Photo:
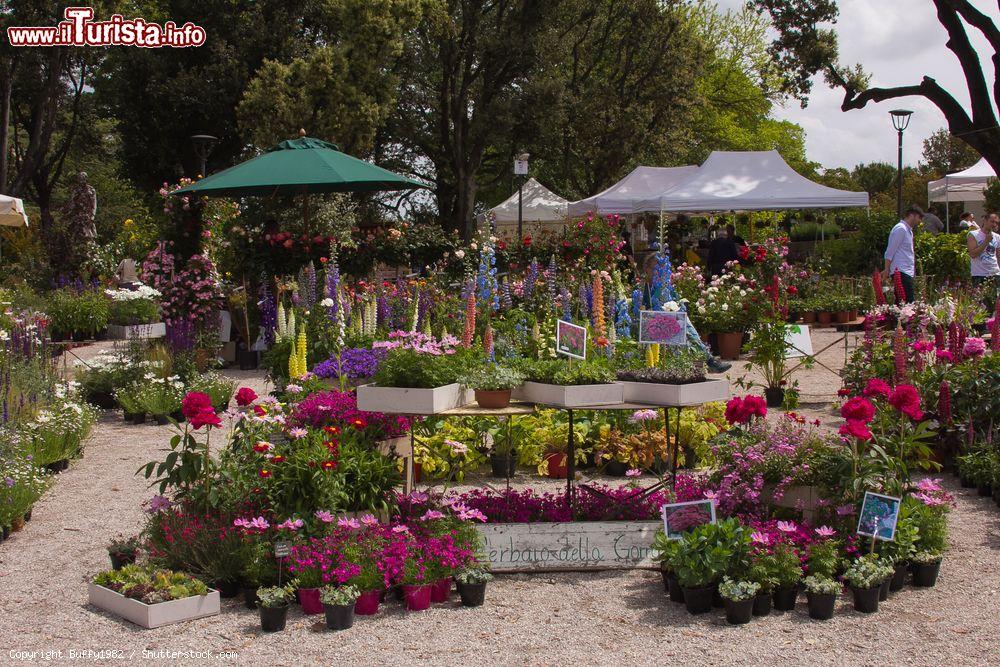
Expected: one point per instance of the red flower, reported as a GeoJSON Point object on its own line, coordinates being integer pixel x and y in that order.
{"type": "Point", "coordinates": [278, 459]}
{"type": "Point", "coordinates": [359, 424]}
{"type": "Point", "coordinates": [853, 428]}
{"type": "Point", "coordinates": [527, 241]}
{"type": "Point", "coordinates": [328, 465]}
{"type": "Point", "coordinates": [205, 418]}
{"type": "Point", "coordinates": [264, 473]}
{"type": "Point", "coordinates": [858, 409]}
{"type": "Point", "coordinates": [332, 430]}
{"type": "Point", "coordinates": [906, 399]}
{"type": "Point", "coordinates": [876, 387]}
{"type": "Point", "coordinates": [245, 396]}
{"type": "Point", "coordinates": [259, 411]}
{"type": "Point", "coordinates": [262, 447]}
{"type": "Point", "coordinates": [843, 392]}
{"type": "Point", "coordinates": [793, 290]}
{"type": "Point", "coordinates": [195, 402]}
{"type": "Point", "coordinates": [742, 410]}
{"type": "Point", "coordinates": [744, 252]}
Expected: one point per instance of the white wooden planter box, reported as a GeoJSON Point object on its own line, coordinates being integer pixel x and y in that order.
{"type": "Point", "coordinates": [155, 615]}
{"type": "Point", "coordinates": [120, 332]}
{"type": "Point", "coordinates": [577, 396]}
{"type": "Point", "coordinates": [695, 393]}
{"type": "Point", "coordinates": [409, 401]}
{"type": "Point", "coordinates": [579, 545]}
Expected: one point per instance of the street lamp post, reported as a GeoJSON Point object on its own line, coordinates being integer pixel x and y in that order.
{"type": "Point", "coordinates": [203, 145]}
{"type": "Point", "coordinates": [900, 120]}
{"type": "Point", "coordinates": [520, 169]}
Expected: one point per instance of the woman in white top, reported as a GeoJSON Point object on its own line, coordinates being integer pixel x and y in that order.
{"type": "Point", "coordinates": [982, 244]}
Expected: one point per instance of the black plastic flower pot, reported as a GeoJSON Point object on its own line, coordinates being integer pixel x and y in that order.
{"type": "Point", "coordinates": [162, 420]}
{"type": "Point", "coordinates": [503, 465]}
{"type": "Point", "coordinates": [472, 595]}
{"type": "Point", "coordinates": [821, 605]}
{"type": "Point", "coordinates": [739, 612]}
{"type": "Point", "coordinates": [272, 619]}
{"type": "Point", "coordinates": [966, 483]}
{"type": "Point", "coordinates": [925, 574]}
{"type": "Point", "coordinates": [665, 575]}
{"type": "Point", "coordinates": [866, 599]}
{"type": "Point", "coordinates": [775, 396]}
{"type": "Point", "coordinates": [615, 469]}
{"type": "Point", "coordinates": [883, 590]}
{"type": "Point", "coordinates": [898, 579]}
{"type": "Point", "coordinates": [248, 359]}
{"type": "Point", "coordinates": [250, 597]}
{"type": "Point", "coordinates": [762, 604]}
{"type": "Point", "coordinates": [784, 598]}
{"type": "Point", "coordinates": [227, 589]}
{"type": "Point", "coordinates": [138, 418]}
{"type": "Point", "coordinates": [118, 561]}
{"type": "Point", "coordinates": [984, 490]}
{"type": "Point", "coordinates": [698, 600]}
{"type": "Point", "coordinates": [27, 516]}
{"type": "Point", "coordinates": [339, 616]}
{"type": "Point", "coordinates": [674, 589]}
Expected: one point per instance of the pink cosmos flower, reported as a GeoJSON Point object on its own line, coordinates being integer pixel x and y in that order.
{"type": "Point", "coordinates": [291, 524]}
{"type": "Point", "coordinates": [157, 503]}
{"type": "Point", "coordinates": [928, 484]}
{"type": "Point", "coordinates": [825, 531]}
{"type": "Point", "coordinates": [351, 524]}
{"type": "Point", "coordinates": [324, 516]}
{"type": "Point", "coordinates": [430, 515]}
{"type": "Point", "coordinates": [759, 537]}
{"type": "Point", "coordinates": [419, 497]}
{"type": "Point", "coordinates": [293, 389]}
{"type": "Point", "coordinates": [643, 416]}
{"type": "Point", "coordinates": [400, 529]}
{"type": "Point", "coordinates": [369, 520]}
{"type": "Point", "coordinates": [259, 523]}
{"type": "Point", "coordinates": [787, 526]}
{"type": "Point", "coordinates": [929, 500]}
{"type": "Point", "coordinates": [633, 472]}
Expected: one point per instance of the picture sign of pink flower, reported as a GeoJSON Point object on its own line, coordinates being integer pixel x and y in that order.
{"type": "Point", "coordinates": [663, 327]}
{"type": "Point", "coordinates": [571, 339]}
{"type": "Point", "coordinates": [680, 517]}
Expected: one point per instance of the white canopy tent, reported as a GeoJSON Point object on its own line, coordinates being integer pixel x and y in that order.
{"type": "Point", "coordinates": [540, 207]}
{"type": "Point", "coordinates": [12, 213]}
{"type": "Point", "coordinates": [967, 185]}
{"type": "Point", "coordinates": [640, 184]}
{"type": "Point", "coordinates": [748, 181]}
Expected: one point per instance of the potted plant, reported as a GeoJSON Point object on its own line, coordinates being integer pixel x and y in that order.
{"type": "Point", "coordinates": [128, 397]}
{"type": "Point", "coordinates": [738, 597]}
{"type": "Point", "coordinates": [865, 577]}
{"type": "Point", "coordinates": [926, 566]}
{"type": "Point", "coordinates": [768, 351]}
{"type": "Point", "coordinates": [676, 379]}
{"type": "Point", "coordinates": [134, 313]}
{"type": "Point", "coordinates": [931, 523]}
{"type": "Point", "coordinates": [821, 593]}
{"type": "Point", "coordinates": [416, 591]}
{"type": "Point", "coordinates": [218, 388]}
{"type": "Point", "coordinates": [338, 603]}
{"type": "Point", "coordinates": [471, 583]}
{"type": "Point", "coordinates": [305, 564]}
{"type": "Point", "coordinates": [273, 602]}
{"type": "Point", "coordinates": [492, 384]}
{"type": "Point", "coordinates": [663, 550]}
{"type": "Point", "coordinates": [505, 433]}
{"type": "Point", "coordinates": [571, 384]}
{"type": "Point", "coordinates": [259, 570]}
{"type": "Point", "coordinates": [161, 397]}
{"type": "Point", "coordinates": [418, 380]}
{"type": "Point", "coordinates": [788, 575]}
{"type": "Point", "coordinates": [703, 557]}
{"type": "Point", "coordinates": [152, 597]}
{"type": "Point", "coordinates": [123, 551]}
{"type": "Point", "coordinates": [899, 551]}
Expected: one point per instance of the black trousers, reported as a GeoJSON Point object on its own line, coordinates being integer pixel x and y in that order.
{"type": "Point", "coordinates": [907, 281]}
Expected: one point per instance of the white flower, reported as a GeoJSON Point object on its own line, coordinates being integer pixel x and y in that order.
{"type": "Point", "coordinates": [725, 306]}
{"type": "Point", "coordinates": [327, 302]}
{"type": "Point", "coordinates": [671, 307]}
{"type": "Point", "coordinates": [460, 254]}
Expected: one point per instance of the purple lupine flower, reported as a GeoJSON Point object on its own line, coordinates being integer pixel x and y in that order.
{"type": "Point", "coordinates": [530, 279]}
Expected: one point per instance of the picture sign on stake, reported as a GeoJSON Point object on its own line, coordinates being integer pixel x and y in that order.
{"type": "Point", "coordinates": [571, 339]}
{"type": "Point", "coordinates": [663, 327]}
{"type": "Point", "coordinates": [282, 549]}
{"type": "Point", "coordinates": [681, 517]}
{"type": "Point", "coordinates": [879, 515]}
{"type": "Point", "coordinates": [798, 343]}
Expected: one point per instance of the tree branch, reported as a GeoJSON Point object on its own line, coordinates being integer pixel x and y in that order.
{"type": "Point", "coordinates": [958, 119]}
{"type": "Point", "coordinates": [959, 44]}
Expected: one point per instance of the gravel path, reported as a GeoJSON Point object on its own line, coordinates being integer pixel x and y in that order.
{"type": "Point", "coordinates": [545, 619]}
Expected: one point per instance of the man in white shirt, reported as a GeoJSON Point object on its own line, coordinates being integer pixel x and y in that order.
{"type": "Point", "coordinates": [899, 251]}
{"type": "Point", "coordinates": [982, 244]}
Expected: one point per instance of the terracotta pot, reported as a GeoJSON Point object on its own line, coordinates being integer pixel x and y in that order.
{"type": "Point", "coordinates": [417, 473]}
{"type": "Point", "coordinates": [842, 316]}
{"type": "Point", "coordinates": [493, 399]}
{"type": "Point", "coordinates": [854, 314]}
{"type": "Point", "coordinates": [824, 318]}
{"type": "Point", "coordinates": [556, 465]}
{"type": "Point", "coordinates": [16, 524]}
{"type": "Point", "coordinates": [809, 317]}
{"type": "Point", "coordinates": [729, 345]}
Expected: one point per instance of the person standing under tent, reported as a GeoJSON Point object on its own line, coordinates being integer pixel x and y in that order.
{"type": "Point", "coordinates": [967, 222]}
{"type": "Point", "coordinates": [899, 251]}
{"type": "Point", "coordinates": [982, 244]}
{"type": "Point", "coordinates": [694, 339]}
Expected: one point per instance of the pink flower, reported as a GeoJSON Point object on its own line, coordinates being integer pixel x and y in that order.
{"type": "Point", "coordinates": [291, 524]}
{"type": "Point", "coordinates": [928, 484]}
{"type": "Point", "coordinates": [853, 428]}
{"type": "Point", "coordinates": [324, 516]}
{"type": "Point", "coordinates": [825, 531]}
{"type": "Point", "coordinates": [974, 347]}
{"type": "Point", "coordinates": [633, 472]}
{"type": "Point", "coordinates": [929, 500]}
{"type": "Point", "coordinates": [430, 515]}
{"type": "Point", "coordinates": [369, 520]}
{"type": "Point", "coordinates": [259, 523]}
{"type": "Point", "coordinates": [787, 526]}
{"type": "Point", "coordinates": [759, 537]}
{"type": "Point", "coordinates": [400, 529]}
{"type": "Point", "coordinates": [845, 510]}
{"type": "Point", "coordinates": [293, 389]}
{"type": "Point", "coordinates": [245, 396]}
{"type": "Point", "coordinates": [298, 433]}
{"type": "Point", "coordinates": [157, 503]}
{"type": "Point", "coordinates": [350, 524]}
{"type": "Point", "coordinates": [643, 416]}
{"type": "Point", "coordinates": [858, 408]}
{"type": "Point", "coordinates": [944, 355]}
{"type": "Point", "coordinates": [906, 399]}
{"type": "Point", "coordinates": [876, 387]}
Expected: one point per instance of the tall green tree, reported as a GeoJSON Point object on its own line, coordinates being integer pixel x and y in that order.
{"type": "Point", "coordinates": [944, 154]}
{"type": "Point", "coordinates": [875, 177]}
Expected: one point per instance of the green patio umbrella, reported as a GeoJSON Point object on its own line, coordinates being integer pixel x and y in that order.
{"type": "Point", "coordinates": [300, 166]}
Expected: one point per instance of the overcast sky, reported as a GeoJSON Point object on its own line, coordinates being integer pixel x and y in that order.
{"type": "Point", "coordinates": [897, 42]}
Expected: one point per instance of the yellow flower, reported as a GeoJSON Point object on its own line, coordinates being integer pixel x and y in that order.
{"type": "Point", "coordinates": [128, 222]}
